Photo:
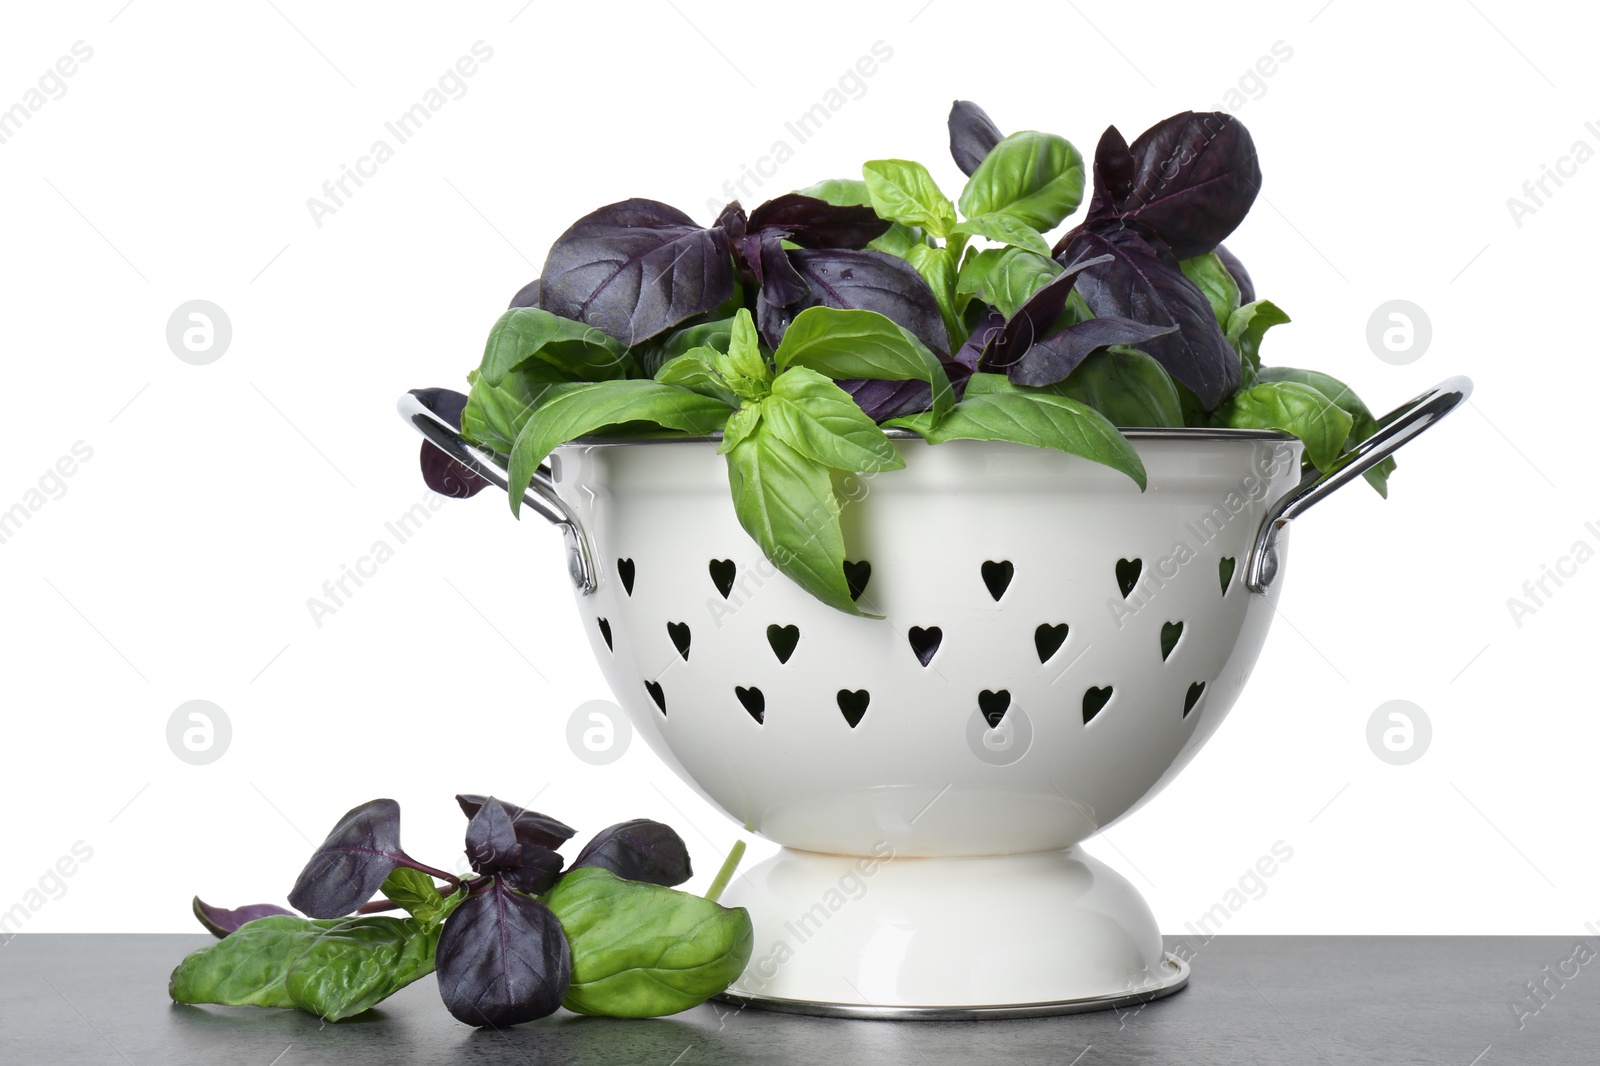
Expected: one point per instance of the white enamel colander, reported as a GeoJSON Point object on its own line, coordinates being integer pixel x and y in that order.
{"type": "Point", "coordinates": [1054, 646]}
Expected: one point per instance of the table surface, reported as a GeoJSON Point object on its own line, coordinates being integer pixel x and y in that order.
{"type": "Point", "coordinates": [85, 999]}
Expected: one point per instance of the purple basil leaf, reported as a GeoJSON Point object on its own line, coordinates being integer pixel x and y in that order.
{"type": "Point", "coordinates": [527, 296]}
{"type": "Point", "coordinates": [635, 269]}
{"type": "Point", "coordinates": [1196, 176]}
{"type": "Point", "coordinates": [989, 326]}
{"type": "Point", "coordinates": [350, 866]}
{"type": "Point", "coordinates": [972, 134]}
{"type": "Point", "coordinates": [1113, 177]}
{"type": "Point", "coordinates": [502, 959]}
{"type": "Point", "coordinates": [888, 399]}
{"type": "Point", "coordinates": [780, 282]}
{"type": "Point", "coordinates": [813, 223]}
{"type": "Point", "coordinates": [491, 839]}
{"type": "Point", "coordinates": [1143, 283]}
{"type": "Point", "coordinates": [732, 221]}
{"type": "Point", "coordinates": [639, 850]}
{"type": "Point", "coordinates": [1241, 276]}
{"type": "Point", "coordinates": [537, 870]}
{"type": "Point", "coordinates": [531, 826]}
{"type": "Point", "coordinates": [1034, 318]}
{"type": "Point", "coordinates": [1048, 361]}
{"type": "Point", "coordinates": [872, 281]}
{"type": "Point", "coordinates": [447, 477]}
{"type": "Point", "coordinates": [446, 403]}
{"type": "Point", "coordinates": [219, 921]}
{"type": "Point", "coordinates": [882, 400]}
{"type": "Point", "coordinates": [958, 373]}
{"type": "Point", "coordinates": [441, 473]}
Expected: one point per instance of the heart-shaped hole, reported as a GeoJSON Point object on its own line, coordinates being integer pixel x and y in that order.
{"type": "Point", "coordinates": [654, 688]}
{"type": "Point", "coordinates": [1128, 571]}
{"type": "Point", "coordinates": [1170, 632]}
{"type": "Point", "coordinates": [1225, 572]}
{"type": "Point", "coordinates": [753, 701]}
{"type": "Point", "coordinates": [679, 632]}
{"type": "Point", "coordinates": [722, 574]}
{"type": "Point", "coordinates": [994, 706]}
{"type": "Point", "coordinates": [625, 572]}
{"type": "Point", "coordinates": [925, 642]}
{"type": "Point", "coordinates": [1047, 639]}
{"type": "Point", "coordinates": [856, 576]}
{"type": "Point", "coordinates": [784, 639]}
{"type": "Point", "coordinates": [997, 576]}
{"type": "Point", "coordinates": [1094, 701]}
{"type": "Point", "coordinates": [853, 705]}
{"type": "Point", "coordinates": [1196, 690]}
{"type": "Point", "coordinates": [605, 631]}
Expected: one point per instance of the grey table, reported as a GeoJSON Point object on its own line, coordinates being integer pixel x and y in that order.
{"type": "Point", "coordinates": [1280, 1000]}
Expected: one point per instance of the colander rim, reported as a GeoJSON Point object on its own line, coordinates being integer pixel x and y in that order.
{"type": "Point", "coordinates": [1191, 434]}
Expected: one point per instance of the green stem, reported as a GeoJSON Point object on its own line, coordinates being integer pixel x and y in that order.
{"type": "Point", "coordinates": [724, 875]}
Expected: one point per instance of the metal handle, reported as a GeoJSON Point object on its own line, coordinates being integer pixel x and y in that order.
{"type": "Point", "coordinates": [1397, 427]}
{"type": "Point", "coordinates": [541, 494]}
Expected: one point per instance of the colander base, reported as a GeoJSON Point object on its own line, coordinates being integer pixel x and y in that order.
{"type": "Point", "coordinates": [1178, 978]}
{"type": "Point", "coordinates": [998, 936]}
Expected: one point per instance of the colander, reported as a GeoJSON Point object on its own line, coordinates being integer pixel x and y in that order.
{"type": "Point", "coordinates": [1054, 646]}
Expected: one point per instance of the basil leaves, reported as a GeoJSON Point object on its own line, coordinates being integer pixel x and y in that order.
{"type": "Point", "coordinates": [798, 328]}
{"type": "Point", "coordinates": [607, 935]}
{"type": "Point", "coordinates": [333, 968]}
{"type": "Point", "coordinates": [639, 951]}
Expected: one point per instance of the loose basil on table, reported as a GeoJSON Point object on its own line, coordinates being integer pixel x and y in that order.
{"type": "Point", "coordinates": [606, 935]}
{"type": "Point", "coordinates": [798, 328]}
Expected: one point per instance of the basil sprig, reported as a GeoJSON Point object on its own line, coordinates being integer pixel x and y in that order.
{"type": "Point", "coordinates": [607, 935]}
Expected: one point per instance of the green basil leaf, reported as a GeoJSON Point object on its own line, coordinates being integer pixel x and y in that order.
{"type": "Point", "coordinates": [1290, 407]}
{"type": "Point", "coordinates": [984, 383]}
{"type": "Point", "coordinates": [740, 425]}
{"type": "Point", "coordinates": [570, 411]}
{"type": "Point", "coordinates": [1006, 230]}
{"type": "Point", "coordinates": [1378, 476]}
{"type": "Point", "coordinates": [641, 951]}
{"type": "Point", "coordinates": [248, 966]}
{"type": "Point", "coordinates": [657, 352]}
{"type": "Point", "coordinates": [581, 352]}
{"type": "Point", "coordinates": [852, 192]}
{"type": "Point", "coordinates": [939, 271]}
{"type": "Point", "coordinates": [332, 967]}
{"type": "Point", "coordinates": [1247, 324]}
{"type": "Point", "coordinates": [822, 422]}
{"type": "Point", "coordinates": [1362, 422]}
{"type": "Point", "coordinates": [1212, 278]}
{"type": "Point", "coordinates": [1035, 178]}
{"type": "Point", "coordinates": [845, 344]}
{"type": "Point", "coordinates": [744, 367]}
{"type": "Point", "coordinates": [903, 191]}
{"type": "Point", "coordinates": [840, 192]}
{"type": "Point", "coordinates": [1036, 418]}
{"type": "Point", "coordinates": [415, 891]}
{"type": "Point", "coordinates": [786, 503]}
{"type": "Point", "coordinates": [899, 239]}
{"type": "Point", "coordinates": [362, 961]}
{"type": "Point", "coordinates": [1014, 276]}
{"type": "Point", "coordinates": [976, 268]}
{"type": "Point", "coordinates": [1127, 386]}
{"type": "Point", "coordinates": [695, 370]}
{"type": "Point", "coordinates": [495, 414]}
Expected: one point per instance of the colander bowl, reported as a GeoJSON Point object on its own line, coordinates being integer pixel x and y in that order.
{"type": "Point", "coordinates": [1053, 646]}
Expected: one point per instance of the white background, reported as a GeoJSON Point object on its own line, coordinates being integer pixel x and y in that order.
{"type": "Point", "coordinates": [179, 561]}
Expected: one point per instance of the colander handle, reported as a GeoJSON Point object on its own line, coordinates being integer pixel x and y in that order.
{"type": "Point", "coordinates": [541, 494]}
{"type": "Point", "coordinates": [1397, 427]}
